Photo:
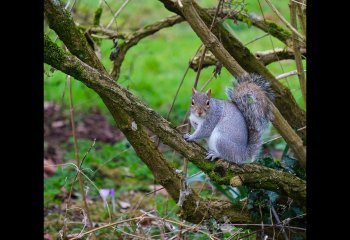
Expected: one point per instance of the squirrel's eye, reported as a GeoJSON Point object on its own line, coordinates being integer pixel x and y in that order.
{"type": "Point", "coordinates": [208, 103]}
{"type": "Point", "coordinates": [192, 103]}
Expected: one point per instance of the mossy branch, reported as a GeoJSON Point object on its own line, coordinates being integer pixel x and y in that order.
{"type": "Point", "coordinates": [138, 138]}
{"type": "Point", "coordinates": [214, 45]}
{"type": "Point", "coordinates": [126, 109]}
{"type": "Point", "coordinates": [62, 23]}
{"type": "Point", "coordinates": [97, 16]}
{"type": "Point", "coordinates": [284, 100]}
{"type": "Point", "coordinates": [266, 57]}
{"type": "Point", "coordinates": [268, 26]}
{"type": "Point", "coordinates": [122, 99]}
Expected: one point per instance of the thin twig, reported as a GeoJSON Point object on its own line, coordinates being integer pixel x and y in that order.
{"type": "Point", "coordinates": [299, 3]}
{"type": "Point", "coordinates": [88, 151]}
{"type": "Point", "coordinates": [302, 19]}
{"type": "Point", "coordinates": [273, 237]}
{"type": "Point", "coordinates": [262, 223]}
{"type": "Point", "coordinates": [76, 151]}
{"type": "Point", "coordinates": [140, 218]}
{"type": "Point", "coordinates": [199, 67]}
{"type": "Point", "coordinates": [287, 74]}
{"type": "Point", "coordinates": [279, 136]}
{"type": "Point", "coordinates": [273, 47]}
{"type": "Point", "coordinates": [110, 9]}
{"type": "Point", "coordinates": [297, 54]}
{"type": "Point", "coordinates": [278, 221]}
{"type": "Point", "coordinates": [256, 39]}
{"type": "Point", "coordinates": [271, 225]}
{"type": "Point", "coordinates": [117, 13]}
{"type": "Point", "coordinates": [289, 135]}
{"type": "Point", "coordinates": [279, 15]}
{"type": "Point", "coordinates": [174, 99]}
{"type": "Point", "coordinates": [75, 179]}
{"type": "Point", "coordinates": [205, 48]}
{"type": "Point", "coordinates": [177, 92]}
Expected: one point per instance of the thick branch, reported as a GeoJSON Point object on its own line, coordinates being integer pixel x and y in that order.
{"type": "Point", "coordinates": [210, 40]}
{"type": "Point", "coordinates": [266, 57]}
{"type": "Point", "coordinates": [141, 142]}
{"type": "Point", "coordinates": [278, 54]}
{"type": "Point", "coordinates": [61, 22]}
{"type": "Point", "coordinates": [214, 45]}
{"type": "Point", "coordinates": [132, 39]}
{"type": "Point", "coordinates": [284, 99]}
{"type": "Point", "coordinates": [268, 26]}
{"type": "Point", "coordinates": [264, 177]}
{"type": "Point", "coordinates": [146, 149]}
{"type": "Point", "coordinates": [290, 136]}
{"type": "Point", "coordinates": [138, 138]}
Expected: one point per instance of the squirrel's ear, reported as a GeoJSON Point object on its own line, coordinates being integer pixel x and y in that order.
{"type": "Point", "coordinates": [208, 92]}
{"type": "Point", "coordinates": [194, 90]}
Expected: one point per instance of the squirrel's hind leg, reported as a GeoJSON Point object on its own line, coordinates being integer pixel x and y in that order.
{"type": "Point", "coordinates": [212, 155]}
{"type": "Point", "coordinates": [231, 151]}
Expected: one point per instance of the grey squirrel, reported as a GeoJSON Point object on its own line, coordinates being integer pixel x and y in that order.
{"type": "Point", "coordinates": [233, 128]}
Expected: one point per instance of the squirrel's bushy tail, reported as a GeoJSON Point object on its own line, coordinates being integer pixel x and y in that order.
{"type": "Point", "coordinates": [251, 97]}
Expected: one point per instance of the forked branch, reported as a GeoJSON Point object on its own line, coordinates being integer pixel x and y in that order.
{"type": "Point", "coordinates": [143, 115]}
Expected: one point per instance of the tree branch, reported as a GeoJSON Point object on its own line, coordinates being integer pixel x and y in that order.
{"type": "Point", "coordinates": [210, 40]}
{"type": "Point", "coordinates": [107, 32]}
{"type": "Point", "coordinates": [214, 45]}
{"type": "Point", "coordinates": [122, 99]}
{"type": "Point", "coordinates": [126, 109]}
{"type": "Point", "coordinates": [268, 26]}
{"type": "Point", "coordinates": [138, 138]}
{"type": "Point", "coordinates": [297, 54]}
{"type": "Point", "coordinates": [266, 57]}
{"type": "Point", "coordinates": [208, 60]}
{"type": "Point", "coordinates": [284, 99]}
{"type": "Point", "coordinates": [60, 21]}
{"type": "Point", "coordinates": [278, 54]}
{"type": "Point", "coordinates": [274, 9]}
{"type": "Point", "coordinates": [302, 19]}
{"type": "Point", "coordinates": [133, 38]}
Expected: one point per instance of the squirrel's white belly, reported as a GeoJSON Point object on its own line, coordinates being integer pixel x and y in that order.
{"type": "Point", "coordinates": [195, 121]}
{"type": "Point", "coordinates": [213, 140]}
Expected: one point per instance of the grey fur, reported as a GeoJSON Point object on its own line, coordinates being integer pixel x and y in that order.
{"type": "Point", "coordinates": [233, 128]}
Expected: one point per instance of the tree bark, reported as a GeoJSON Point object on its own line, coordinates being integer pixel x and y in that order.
{"type": "Point", "coordinates": [126, 109]}
{"type": "Point", "coordinates": [266, 178]}
{"type": "Point", "coordinates": [284, 100]}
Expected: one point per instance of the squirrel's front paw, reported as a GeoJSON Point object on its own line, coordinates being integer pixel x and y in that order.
{"type": "Point", "coordinates": [187, 137]}
{"type": "Point", "coordinates": [211, 155]}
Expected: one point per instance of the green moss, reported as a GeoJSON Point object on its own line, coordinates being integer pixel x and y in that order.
{"type": "Point", "coordinates": [53, 54]}
{"type": "Point", "coordinates": [97, 16]}
{"type": "Point", "coordinates": [279, 32]}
